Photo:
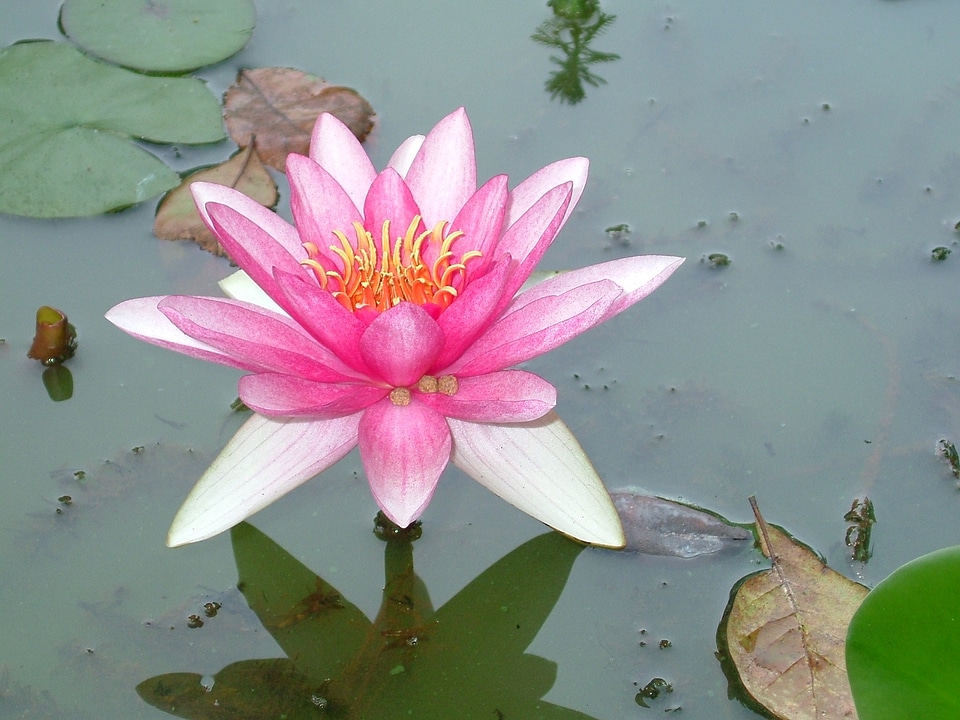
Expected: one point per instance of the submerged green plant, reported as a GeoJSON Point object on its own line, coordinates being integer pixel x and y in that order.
{"type": "Point", "coordinates": [574, 25]}
{"type": "Point", "coordinates": [861, 518]}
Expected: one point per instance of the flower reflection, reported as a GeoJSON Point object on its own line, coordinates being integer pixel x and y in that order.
{"type": "Point", "coordinates": [574, 25]}
{"type": "Point", "coordinates": [465, 660]}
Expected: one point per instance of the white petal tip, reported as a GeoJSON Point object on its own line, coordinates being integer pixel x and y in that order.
{"type": "Point", "coordinates": [540, 468]}
{"type": "Point", "coordinates": [187, 527]}
{"type": "Point", "coordinates": [611, 538]}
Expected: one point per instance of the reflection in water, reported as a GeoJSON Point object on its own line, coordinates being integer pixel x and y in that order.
{"type": "Point", "coordinates": [465, 660]}
{"type": "Point", "coordinates": [574, 25]}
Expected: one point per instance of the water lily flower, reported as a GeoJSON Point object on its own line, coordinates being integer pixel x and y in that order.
{"type": "Point", "coordinates": [392, 315]}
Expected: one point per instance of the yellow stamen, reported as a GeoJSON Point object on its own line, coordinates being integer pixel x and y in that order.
{"type": "Point", "coordinates": [428, 384]}
{"type": "Point", "coordinates": [379, 275]}
{"type": "Point", "coordinates": [400, 396]}
{"type": "Point", "coordinates": [448, 384]}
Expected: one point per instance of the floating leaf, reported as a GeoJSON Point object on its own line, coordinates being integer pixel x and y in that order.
{"type": "Point", "coordinates": [166, 36]}
{"type": "Point", "coordinates": [177, 217]}
{"type": "Point", "coordinates": [903, 647]}
{"type": "Point", "coordinates": [656, 526]}
{"type": "Point", "coordinates": [66, 125]}
{"type": "Point", "coordinates": [279, 106]}
{"type": "Point", "coordinates": [784, 631]}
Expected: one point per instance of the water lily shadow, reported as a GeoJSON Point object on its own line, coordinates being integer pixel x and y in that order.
{"type": "Point", "coordinates": [467, 659]}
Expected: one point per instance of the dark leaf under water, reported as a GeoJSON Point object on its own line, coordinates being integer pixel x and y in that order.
{"type": "Point", "coordinates": [663, 527]}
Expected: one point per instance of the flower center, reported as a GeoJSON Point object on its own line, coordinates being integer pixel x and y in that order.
{"type": "Point", "coordinates": [445, 385]}
{"type": "Point", "coordinates": [380, 275]}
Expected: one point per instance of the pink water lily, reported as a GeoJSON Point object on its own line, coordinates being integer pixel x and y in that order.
{"type": "Point", "coordinates": [391, 316]}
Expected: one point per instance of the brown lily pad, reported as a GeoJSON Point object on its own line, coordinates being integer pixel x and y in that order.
{"type": "Point", "coordinates": [279, 106]}
{"type": "Point", "coordinates": [785, 628]}
{"type": "Point", "coordinates": [177, 217]}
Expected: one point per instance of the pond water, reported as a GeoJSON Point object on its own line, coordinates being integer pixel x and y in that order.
{"type": "Point", "coordinates": [815, 144]}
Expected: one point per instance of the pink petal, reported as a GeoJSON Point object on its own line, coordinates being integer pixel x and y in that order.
{"type": "Point", "coordinates": [401, 344]}
{"type": "Point", "coordinates": [536, 328]}
{"type": "Point", "coordinates": [320, 314]}
{"type": "Point", "coordinates": [508, 396]}
{"type": "Point", "coordinates": [266, 459]}
{"type": "Point", "coordinates": [319, 206]}
{"type": "Point", "coordinates": [404, 154]}
{"type": "Point", "coordinates": [270, 223]}
{"type": "Point", "coordinates": [142, 319]}
{"type": "Point", "coordinates": [638, 276]}
{"type": "Point", "coordinates": [529, 238]}
{"type": "Point", "coordinates": [540, 468]}
{"type": "Point", "coordinates": [253, 249]}
{"type": "Point", "coordinates": [404, 450]}
{"type": "Point", "coordinates": [390, 200]}
{"type": "Point", "coordinates": [471, 312]}
{"type": "Point", "coordinates": [481, 217]}
{"type": "Point", "coordinates": [524, 195]}
{"type": "Point", "coordinates": [273, 394]}
{"type": "Point", "coordinates": [258, 338]}
{"type": "Point", "coordinates": [443, 175]}
{"type": "Point", "coordinates": [336, 149]}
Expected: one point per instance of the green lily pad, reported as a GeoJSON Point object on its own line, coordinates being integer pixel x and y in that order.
{"type": "Point", "coordinates": [164, 36]}
{"type": "Point", "coordinates": [903, 644]}
{"type": "Point", "coordinates": [66, 128]}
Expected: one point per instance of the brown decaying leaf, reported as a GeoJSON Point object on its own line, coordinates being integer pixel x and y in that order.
{"type": "Point", "coordinates": [786, 630]}
{"type": "Point", "coordinates": [177, 217]}
{"type": "Point", "coordinates": [279, 107]}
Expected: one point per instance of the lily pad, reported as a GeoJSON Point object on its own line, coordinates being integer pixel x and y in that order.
{"type": "Point", "coordinates": [66, 128]}
{"type": "Point", "coordinates": [163, 36]}
{"type": "Point", "coordinates": [279, 107]}
{"type": "Point", "coordinates": [902, 647]}
{"type": "Point", "coordinates": [784, 632]}
{"type": "Point", "coordinates": [177, 216]}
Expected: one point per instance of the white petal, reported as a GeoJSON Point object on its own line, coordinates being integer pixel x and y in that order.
{"type": "Point", "coordinates": [405, 153]}
{"type": "Point", "coordinates": [540, 468]}
{"type": "Point", "coordinates": [266, 459]}
{"type": "Point", "coordinates": [240, 286]}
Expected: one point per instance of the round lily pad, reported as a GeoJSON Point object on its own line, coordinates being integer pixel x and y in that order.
{"type": "Point", "coordinates": [902, 644]}
{"type": "Point", "coordinates": [67, 125]}
{"type": "Point", "coordinates": [163, 36]}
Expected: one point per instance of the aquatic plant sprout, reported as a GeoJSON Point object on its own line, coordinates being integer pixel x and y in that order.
{"type": "Point", "coordinates": [390, 316]}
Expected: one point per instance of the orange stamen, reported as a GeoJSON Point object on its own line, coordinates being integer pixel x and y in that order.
{"type": "Point", "coordinates": [381, 274]}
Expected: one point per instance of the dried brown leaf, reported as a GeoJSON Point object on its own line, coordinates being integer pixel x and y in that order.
{"type": "Point", "coordinates": [279, 106]}
{"type": "Point", "coordinates": [786, 628]}
{"type": "Point", "coordinates": [177, 217]}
